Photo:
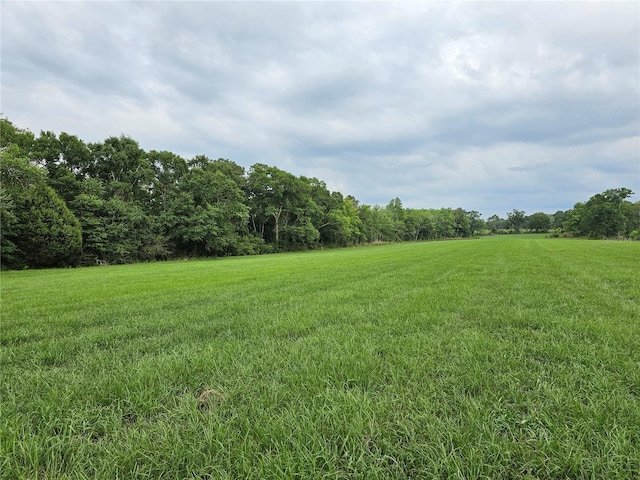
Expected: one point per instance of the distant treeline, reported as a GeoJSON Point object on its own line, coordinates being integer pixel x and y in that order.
{"type": "Point", "coordinates": [64, 202]}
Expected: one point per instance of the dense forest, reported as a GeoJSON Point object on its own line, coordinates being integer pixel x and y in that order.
{"type": "Point", "coordinates": [64, 202]}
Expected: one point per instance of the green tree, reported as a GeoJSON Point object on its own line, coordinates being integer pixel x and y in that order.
{"type": "Point", "coordinates": [282, 208]}
{"type": "Point", "coordinates": [476, 223]}
{"type": "Point", "coordinates": [21, 139]}
{"type": "Point", "coordinates": [52, 153]}
{"type": "Point", "coordinates": [632, 212]}
{"type": "Point", "coordinates": [266, 198]}
{"type": "Point", "coordinates": [558, 219]}
{"type": "Point", "coordinates": [462, 223]}
{"type": "Point", "coordinates": [75, 155]}
{"type": "Point", "coordinates": [302, 214]}
{"type": "Point", "coordinates": [539, 222]}
{"type": "Point", "coordinates": [516, 219]}
{"type": "Point", "coordinates": [125, 226]}
{"type": "Point", "coordinates": [49, 235]}
{"type": "Point", "coordinates": [418, 224]}
{"type": "Point", "coordinates": [89, 208]}
{"type": "Point", "coordinates": [228, 168]}
{"type": "Point", "coordinates": [207, 214]}
{"type": "Point", "coordinates": [114, 230]}
{"type": "Point", "coordinates": [169, 169]}
{"type": "Point", "coordinates": [572, 223]}
{"type": "Point", "coordinates": [351, 229]}
{"type": "Point", "coordinates": [396, 214]}
{"type": "Point", "coordinates": [604, 214]}
{"type": "Point", "coordinates": [378, 226]}
{"type": "Point", "coordinates": [42, 230]}
{"type": "Point", "coordinates": [8, 228]}
{"type": "Point", "coordinates": [123, 166]}
{"type": "Point", "coordinates": [444, 224]}
{"type": "Point", "coordinates": [495, 224]}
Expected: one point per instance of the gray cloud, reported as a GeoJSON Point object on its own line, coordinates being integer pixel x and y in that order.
{"type": "Point", "coordinates": [488, 106]}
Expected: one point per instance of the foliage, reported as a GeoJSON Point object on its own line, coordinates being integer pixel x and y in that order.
{"type": "Point", "coordinates": [134, 205]}
{"type": "Point", "coordinates": [539, 222]}
{"type": "Point", "coordinates": [48, 234]}
{"type": "Point", "coordinates": [8, 227]}
{"type": "Point", "coordinates": [207, 213]}
{"type": "Point", "coordinates": [495, 224]}
{"type": "Point", "coordinates": [604, 215]}
{"type": "Point", "coordinates": [38, 230]}
{"type": "Point", "coordinates": [516, 219]}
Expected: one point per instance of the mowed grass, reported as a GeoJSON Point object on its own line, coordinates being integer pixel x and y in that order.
{"type": "Point", "coordinates": [503, 357]}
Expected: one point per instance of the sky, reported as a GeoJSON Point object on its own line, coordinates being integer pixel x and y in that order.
{"type": "Point", "coordinates": [486, 106]}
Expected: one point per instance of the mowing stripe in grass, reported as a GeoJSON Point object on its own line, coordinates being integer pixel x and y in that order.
{"type": "Point", "coordinates": [503, 357]}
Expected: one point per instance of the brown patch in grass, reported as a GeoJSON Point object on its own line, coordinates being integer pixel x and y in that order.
{"type": "Point", "coordinates": [208, 398]}
{"type": "Point", "coordinates": [129, 419]}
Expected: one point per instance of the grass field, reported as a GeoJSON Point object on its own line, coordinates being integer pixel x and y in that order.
{"type": "Point", "coordinates": [502, 357]}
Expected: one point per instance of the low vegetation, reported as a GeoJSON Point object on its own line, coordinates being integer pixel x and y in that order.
{"type": "Point", "coordinates": [501, 357]}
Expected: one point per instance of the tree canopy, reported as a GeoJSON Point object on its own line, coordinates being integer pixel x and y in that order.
{"type": "Point", "coordinates": [64, 202]}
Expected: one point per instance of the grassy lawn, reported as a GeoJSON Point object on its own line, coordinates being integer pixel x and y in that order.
{"type": "Point", "coordinates": [503, 357]}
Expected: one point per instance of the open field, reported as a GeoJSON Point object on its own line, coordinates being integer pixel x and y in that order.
{"type": "Point", "coordinates": [503, 357]}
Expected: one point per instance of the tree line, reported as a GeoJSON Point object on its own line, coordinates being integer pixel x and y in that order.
{"type": "Point", "coordinates": [604, 215]}
{"type": "Point", "coordinates": [64, 202]}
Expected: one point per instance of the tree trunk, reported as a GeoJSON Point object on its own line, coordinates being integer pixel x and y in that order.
{"type": "Point", "coordinates": [276, 217]}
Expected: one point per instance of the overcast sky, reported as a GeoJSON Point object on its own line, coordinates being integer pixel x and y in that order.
{"type": "Point", "coordinates": [484, 106]}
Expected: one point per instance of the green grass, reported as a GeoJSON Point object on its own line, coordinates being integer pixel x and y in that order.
{"type": "Point", "coordinates": [503, 357]}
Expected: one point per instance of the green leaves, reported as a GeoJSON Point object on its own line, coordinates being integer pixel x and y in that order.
{"type": "Point", "coordinates": [516, 219]}
{"type": "Point", "coordinates": [207, 214]}
{"type": "Point", "coordinates": [134, 206]}
{"type": "Point", "coordinates": [604, 215]}
{"type": "Point", "coordinates": [38, 228]}
{"type": "Point", "coordinates": [48, 234]}
{"type": "Point", "coordinates": [539, 222]}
